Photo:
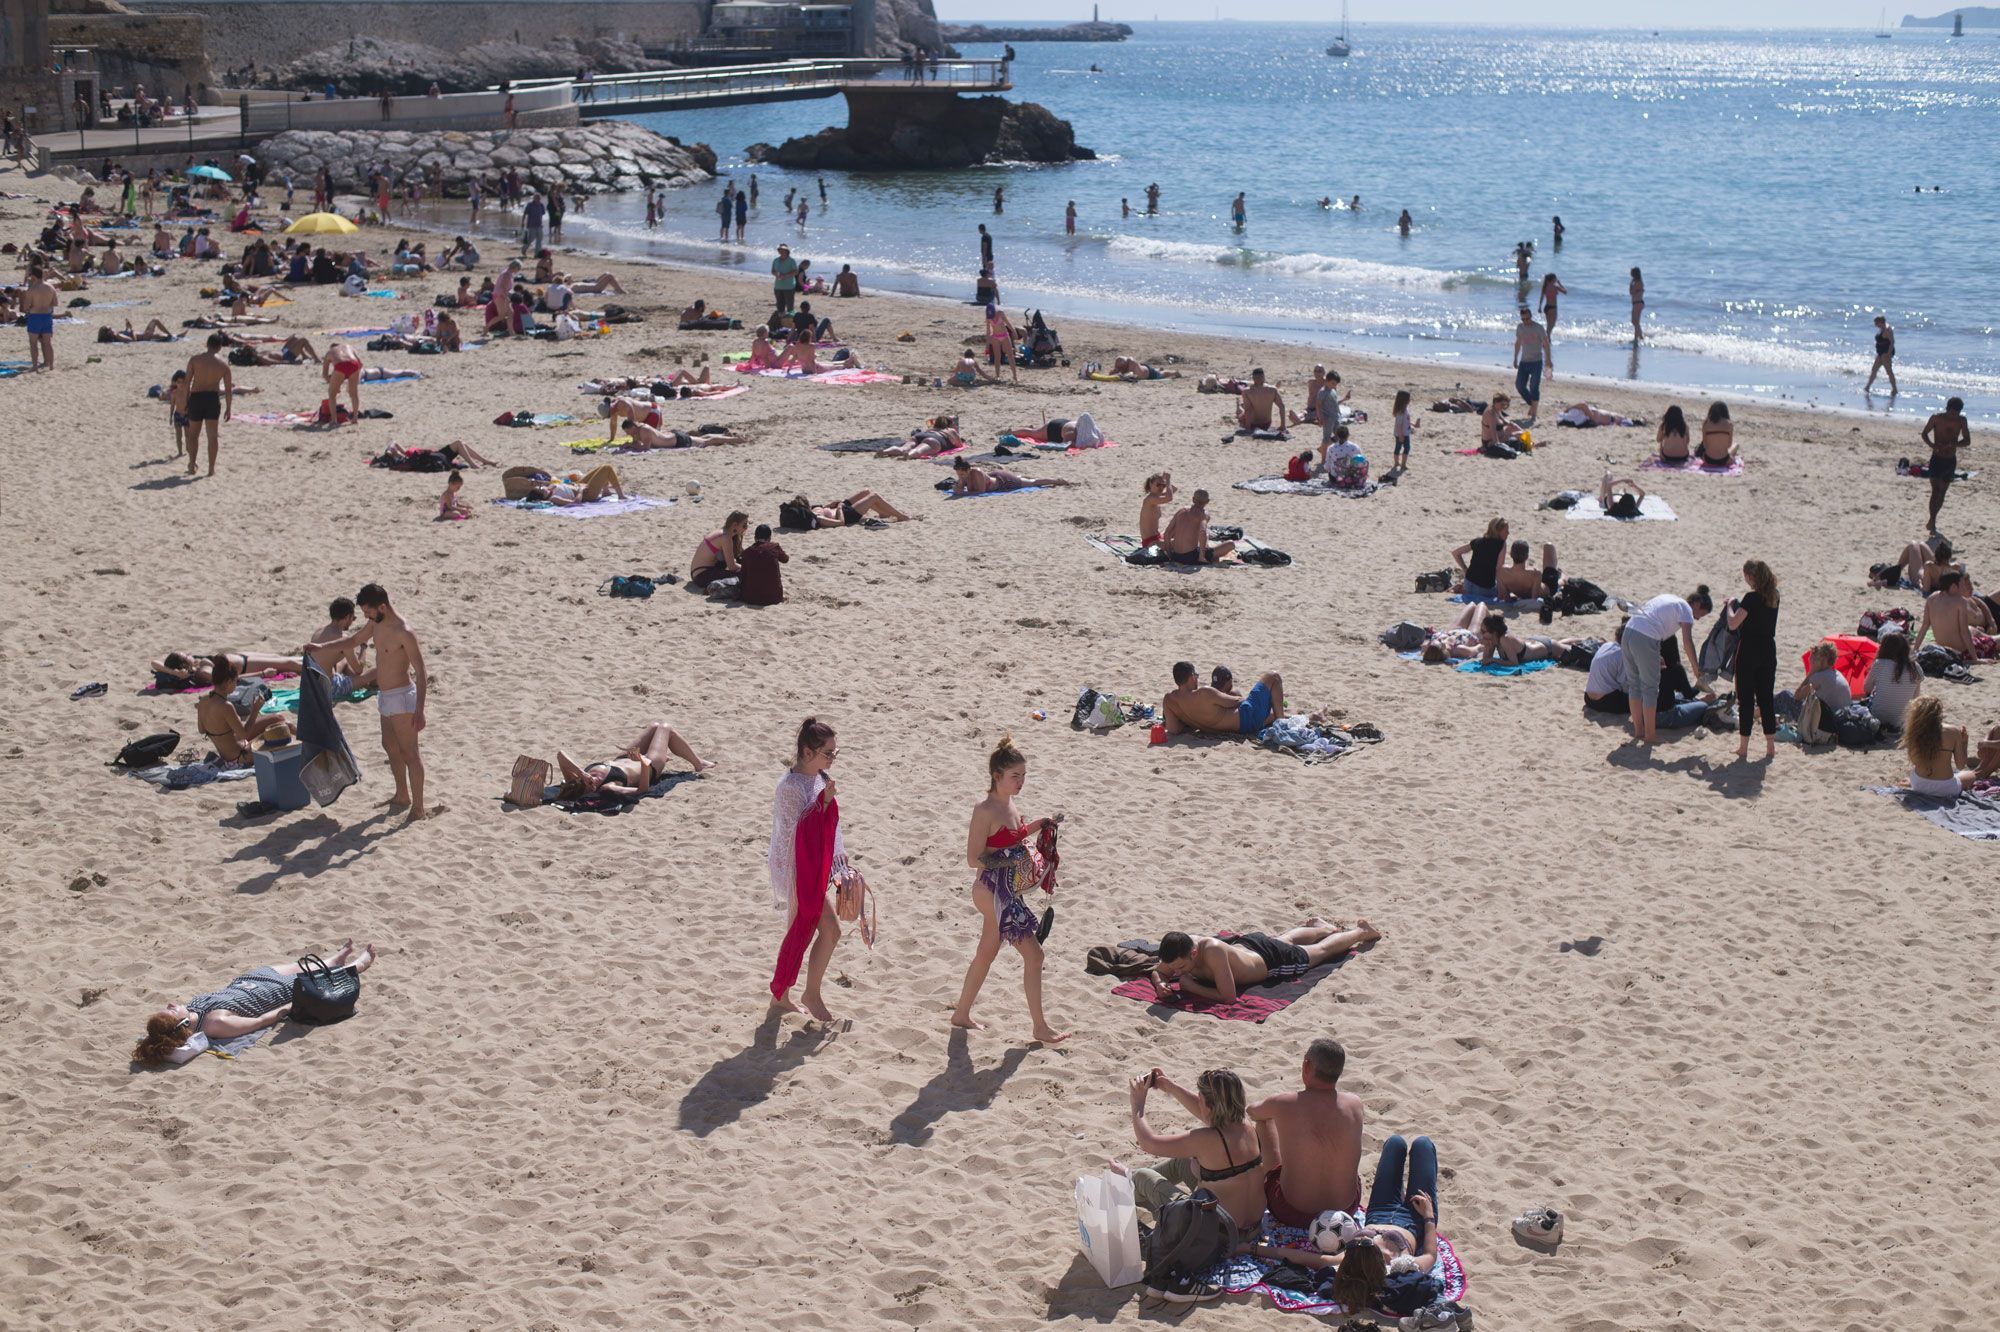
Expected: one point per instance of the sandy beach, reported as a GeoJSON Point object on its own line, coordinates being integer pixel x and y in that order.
{"type": "Point", "coordinates": [1733, 1019]}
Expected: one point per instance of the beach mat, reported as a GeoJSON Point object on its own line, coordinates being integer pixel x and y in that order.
{"type": "Point", "coordinates": [1525, 668]}
{"type": "Point", "coordinates": [1735, 467]}
{"type": "Point", "coordinates": [604, 508]}
{"type": "Point", "coordinates": [1972, 816]}
{"type": "Point", "coordinates": [1258, 1003]}
{"type": "Point", "coordinates": [1240, 1274]}
{"type": "Point", "coordinates": [1651, 509]}
{"type": "Point", "coordinates": [1121, 546]}
{"type": "Point", "coordinates": [860, 445]}
{"type": "Point", "coordinates": [611, 805]}
{"type": "Point", "coordinates": [996, 494]}
{"type": "Point", "coordinates": [1277, 485]}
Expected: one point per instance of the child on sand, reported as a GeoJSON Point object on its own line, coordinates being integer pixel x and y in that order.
{"type": "Point", "coordinates": [1400, 460]}
{"type": "Point", "coordinates": [451, 504]}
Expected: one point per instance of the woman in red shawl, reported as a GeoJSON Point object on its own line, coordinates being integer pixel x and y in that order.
{"type": "Point", "coordinates": [806, 853]}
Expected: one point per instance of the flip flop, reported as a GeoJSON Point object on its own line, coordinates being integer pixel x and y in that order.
{"type": "Point", "coordinates": [91, 690]}
{"type": "Point", "coordinates": [1048, 923]}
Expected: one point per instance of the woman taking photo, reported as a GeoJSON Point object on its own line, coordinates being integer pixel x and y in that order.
{"type": "Point", "coordinates": [806, 853]}
{"type": "Point", "coordinates": [247, 1005]}
{"type": "Point", "coordinates": [1222, 1156]}
{"type": "Point", "coordinates": [1755, 619]}
{"type": "Point", "coordinates": [1003, 847]}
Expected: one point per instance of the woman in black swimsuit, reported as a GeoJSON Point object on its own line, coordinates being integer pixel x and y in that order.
{"type": "Point", "coordinates": [634, 771]}
{"type": "Point", "coordinates": [1222, 1158]}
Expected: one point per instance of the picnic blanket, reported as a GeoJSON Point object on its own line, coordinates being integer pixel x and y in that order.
{"type": "Point", "coordinates": [604, 508]}
{"type": "Point", "coordinates": [1126, 546]}
{"type": "Point", "coordinates": [180, 776]}
{"type": "Point", "coordinates": [1495, 668]}
{"type": "Point", "coordinates": [1239, 1274]}
{"type": "Point", "coordinates": [1277, 485]}
{"type": "Point", "coordinates": [1252, 1005]}
{"type": "Point", "coordinates": [1657, 464]}
{"type": "Point", "coordinates": [1973, 816]}
{"type": "Point", "coordinates": [597, 803]}
{"type": "Point", "coordinates": [839, 378]}
{"type": "Point", "coordinates": [1652, 508]}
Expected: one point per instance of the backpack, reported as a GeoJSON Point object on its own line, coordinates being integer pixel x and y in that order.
{"type": "Point", "coordinates": [637, 586]}
{"type": "Point", "coordinates": [1265, 555]}
{"type": "Point", "coordinates": [149, 752]}
{"type": "Point", "coordinates": [1096, 712]}
{"type": "Point", "coordinates": [1192, 1236]}
{"type": "Point", "coordinates": [1812, 723]}
{"type": "Point", "coordinates": [796, 517]}
{"type": "Point", "coordinates": [1578, 656]}
{"type": "Point", "coordinates": [1856, 727]}
{"type": "Point", "coordinates": [1405, 636]}
{"type": "Point", "coordinates": [1438, 580]}
{"type": "Point", "coordinates": [1580, 596]}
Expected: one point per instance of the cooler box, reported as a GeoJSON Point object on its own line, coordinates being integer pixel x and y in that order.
{"type": "Point", "coordinates": [278, 781]}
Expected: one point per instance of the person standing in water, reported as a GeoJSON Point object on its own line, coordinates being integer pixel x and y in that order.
{"type": "Point", "coordinates": [742, 214]}
{"type": "Point", "coordinates": [1403, 223]}
{"type": "Point", "coordinates": [1637, 289]}
{"type": "Point", "coordinates": [985, 247]}
{"type": "Point", "coordinates": [806, 853]}
{"type": "Point", "coordinates": [1885, 356]}
{"type": "Point", "coordinates": [999, 201]}
{"type": "Point", "coordinates": [1946, 432]}
{"type": "Point", "coordinates": [1152, 200]}
{"type": "Point", "coordinates": [1069, 219]}
{"type": "Point", "coordinates": [1011, 855]}
{"type": "Point", "coordinates": [1556, 230]}
{"type": "Point", "coordinates": [1552, 287]}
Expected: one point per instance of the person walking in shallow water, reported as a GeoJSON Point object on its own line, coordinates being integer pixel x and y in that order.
{"type": "Point", "coordinates": [1637, 289]}
{"type": "Point", "coordinates": [1885, 356]}
{"type": "Point", "coordinates": [999, 201]}
{"type": "Point", "coordinates": [1069, 219]}
{"type": "Point", "coordinates": [1238, 214]}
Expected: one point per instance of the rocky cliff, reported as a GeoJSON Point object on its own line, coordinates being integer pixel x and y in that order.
{"type": "Point", "coordinates": [1072, 32]}
{"type": "Point", "coordinates": [906, 26]}
{"type": "Point", "coordinates": [980, 129]}
{"type": "Point", "coordinates": [370, 65]}
{"type": "Point", "coordinates": [604, 155]}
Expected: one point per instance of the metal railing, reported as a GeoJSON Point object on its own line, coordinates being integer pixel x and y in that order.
{"type": "Point", "coordinates": [356, 113]}
{"type": "Point", "coordinates": [791, 76]}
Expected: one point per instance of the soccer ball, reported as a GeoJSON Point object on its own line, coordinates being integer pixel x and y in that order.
{"type": "Point", "coordinates": [1330, 1231]}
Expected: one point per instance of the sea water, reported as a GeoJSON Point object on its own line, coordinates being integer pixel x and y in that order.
{"type": "Point", "coordinates": [1776, 188]}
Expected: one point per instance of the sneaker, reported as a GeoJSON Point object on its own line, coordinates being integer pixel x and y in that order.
{"type": "Point", "coordinates": [1184, 1289]}
{"type": "Point", "coordinates": [1539, 1225]}
{"type": "Point", "coordinates": [1440, 1317]}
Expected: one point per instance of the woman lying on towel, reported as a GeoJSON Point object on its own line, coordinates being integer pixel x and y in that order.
{"type": "Point", "coordinates": [222, 725]}
{"type": "Point", "coordinates": [1082, 432]}
{"type": "Point", "coordinates": [970, 480]}
{"type": "Point", "coordinates": [179, 670]}
{"type": "Point", "coordinates": [253, 1001]}
{"type": "Point", "coordinates": [1939, 766]}
{"type": "Point", "coordinates": [1497, 647]}
{"type": "Point", "coordinates": [939, 435]}
{"type": "Point", "coordinates": [574, 489]}
{"type": "Point", "coordinates": [857, 508]}
{"type": "Point", "coordinates": [1451, 645]}
{"type": "Point", "coordinates": [634, 771]}
{"type": "Point", "coordinates": [1620, 498]}
{"type": "Point", "coordinates": [1586, 416]}
{"type": "Point", "coordinates": [155, 331]}
{"type": "Point", "coordinates": [641, 437]}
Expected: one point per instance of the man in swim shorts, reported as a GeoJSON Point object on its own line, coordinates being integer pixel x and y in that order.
{"type": "Point", "coordinates": [1946, 432]}
{"type": "Point", "coordinates": [1185, 539]}
{"type": "Point", "coordinates": [405, 685]}
{"type": "Point", "coordinates": [38, 308]}
{"type": "Point", "coordinates": [1312, 1138]}
{"type": "Point", "coordinates": [1221, 969]}
{"type": "Point", "coordinates": [211, 396]}
{"type": "Point", "coordinates": [1215, 709]}
{"type": "Point", "coordinates": [1259, 406]}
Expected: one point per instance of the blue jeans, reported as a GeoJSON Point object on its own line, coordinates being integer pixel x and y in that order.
{"type": "Point", "coordinates": [1528, 381]}
{"type": "Point", "coordinates": [1386, 1205]}
{"type": "Point", "coordinates": [1681, 715]}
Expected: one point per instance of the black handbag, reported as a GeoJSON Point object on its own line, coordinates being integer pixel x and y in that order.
{"type": "Point", "coordinates": [323, 995]}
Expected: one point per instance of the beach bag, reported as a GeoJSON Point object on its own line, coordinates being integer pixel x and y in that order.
{"type": "Point", "coordinates": [323, 995]}
{"type": "Point", "coordinates": [249, 698]}
{"type": "Point", "coordinates": [1717, 658]}
{"type": "Point", "coordinates": [1268, 556]}
{"type": "Point", "coordinates": [1350, 473]}
{"type": "Point", "coordinates": [1580, 596]}
{"type": "Point", "coordinates": [1856, 727]}
{"type": "Point", "coordinates": [1812, 723]}
{"type": "Point", "coordinates": [1578, 656]}
{"type": "Point", "coordinates": [854, 903]}
{"type": "Point", "coordinates": [1438, 580]}
{"type": "Point", "coordinates": [149, 752]}
{"type": "Point", "coordinates": [1096, 712]}
{"type": "Point", "coordinates": [1107, 1226]}
{"type": "Point", "coordinates": [1192, 1235]}
{"type": "Point", "coordinates": [636, 586]}
{"type": "Point", "coordinates": [531, 778]}
{"type": "Point", "coordinates": [1405, 636]}
{"type": "Point", "coordinates": [795, 517]}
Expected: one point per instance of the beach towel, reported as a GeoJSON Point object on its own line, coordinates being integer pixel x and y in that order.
{"type": "Point", "coordinates": [1124, 547]}
{"type": "Point", "coordinates": [277, 418]}
{"type": "Point", "coordinates": [538, 420]}
{"type": "Point", "coordinates": [597, 803]}
{"type": "Point", "coordinates": [1972, 816]}
{"type": "Point", "coordinates": [1284, 1284]}
{"type": "Point", "coordinates": [285, 698]}
{"type": "Point", "coordinates": [1576, 420]}
{"type": "Point", "coordinates": [1904, 467]}
{"type": "Point", "coordinates": [1525, 668]}
{"type": "Point", "coordinates": [1652, 508]}
{"type": "Point", "coordinates": [1266, 433]}
{"type": "Point", "coordinates": [1252, 1005]}
{"type": "Point", "coordinates": [1313, 743]}
{"type": "Point", "coordinates": [328, 765]}
{"type": "Point", "coordinates": [860, 445]}
{"type": "Point", "coordinates": [994, 494]}
{"type": "Point", "coordinates": [180, 776]}
{"type": "Point", "coordinates": [603, 508]}
{"type": "Point", "coordinates": [1277, 485]}
{"type": "Point", "coordinates": [1656, 464]}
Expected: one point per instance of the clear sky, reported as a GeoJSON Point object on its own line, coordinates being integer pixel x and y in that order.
{"type": "Point", "coordinates": [1541, 13]}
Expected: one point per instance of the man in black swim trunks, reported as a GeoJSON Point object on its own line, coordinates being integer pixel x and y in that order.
{"type": "Point", "coordinates": [1185, 538]}
{"type": "Point", "coordinates": [211, 396]}
{"type": "Point", "coordinates": [1946, 432]}
{"type": "Point", "coordinates": [1220, 969]}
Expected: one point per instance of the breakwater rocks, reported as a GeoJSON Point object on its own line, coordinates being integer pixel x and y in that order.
{"type": "Point", "coordinates": [979, 129]}
{"type": "Point", "coordinates": [373, 65]}
{"type": "Point", "coordinates": [601, 156]}
{"type": "Point", "coordinates": [1069, 32]}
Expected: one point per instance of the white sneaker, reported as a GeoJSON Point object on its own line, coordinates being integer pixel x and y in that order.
{"type": "Point", "coordinates": [1539, 1225]}
{"type": "Point", "coordinates": [1444, 1316]}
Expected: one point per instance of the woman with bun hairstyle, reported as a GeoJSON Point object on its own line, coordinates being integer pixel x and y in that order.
{"type": "Point", "coordinates": [806, 854]}
{"type": "Point", "coordinates": [1002, 847]}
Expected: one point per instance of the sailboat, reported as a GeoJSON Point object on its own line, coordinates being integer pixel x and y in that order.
{"type": "Point", "coordinates": [1340, 48]}
{"type": "Point", "coordinates": [1882, 32]}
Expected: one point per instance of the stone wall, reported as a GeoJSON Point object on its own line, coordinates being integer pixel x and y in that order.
{"type": "Point", "coordinates": [605, 155]}
{"type": "Point", "coordinates": [165, 52]}
{"type": "Point", "coordinates": [273, 32]}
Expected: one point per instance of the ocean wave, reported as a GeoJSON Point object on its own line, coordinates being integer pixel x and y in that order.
{"type": "Point", "coordinates": [1334, 267]}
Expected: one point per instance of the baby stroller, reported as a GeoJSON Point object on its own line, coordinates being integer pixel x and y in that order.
{"type": "Point", "coordinates": [1041, 348]}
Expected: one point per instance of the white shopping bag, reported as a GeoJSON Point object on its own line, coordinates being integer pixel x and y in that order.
{"type": "Point", "coordinates": [1107, 1224]}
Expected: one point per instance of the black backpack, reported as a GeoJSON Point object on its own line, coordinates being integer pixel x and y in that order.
{"type": "Point", "coordinates": [1856, 727]}
{"type": "Point", "coordinates": [1438, 580]}
{"type": "Point", "coordinates": [149, 752]}
{"type": "Point", "coordinates": [1580, 596]}
{"type": "Point", "coordinates": [796, 517]}
{"type": "Point", "coordinates": [1193, 1235]}
{"type": "Point", "coordinates": [1578, 656]}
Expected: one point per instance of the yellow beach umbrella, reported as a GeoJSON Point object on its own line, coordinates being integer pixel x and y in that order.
{"type": "Point", "coordinates": [321, 224]}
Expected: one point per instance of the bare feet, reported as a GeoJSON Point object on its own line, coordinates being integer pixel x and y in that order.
{"type": "Point", "coordinates": [1368, 933]}
{"type": "Point", "coordinates": [1743, 748]}
{"type": "Point", "coordinates": [346, 951]}
{"type": "Point", "coordinates": [367, 956]}
{"type": "Point", "coordinates": [817, 1007]}
{"type": "Point", "coordinates": [1043, 1036]}
{"type": "Point", "coordinates": [398, 801]}
{"type": "Point", "coordinates": [967, 1021]}
{"type": "Point", "coordinates": [701, 767]}
{"type": "Point", "coordinates": [784, 1005]}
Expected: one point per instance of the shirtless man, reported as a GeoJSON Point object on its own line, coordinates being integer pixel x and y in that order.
{"type": "Point", "coordinates": [1953, 616]}
{"type": "Point", "coordinates": [1221, 969]}
{"type": "Point", "coordinates": [342, 657]}
{"type": "Point", "coordinates": [405, 685]}
{"type": "Point", "coordinates": [1532, 359]}
{"type": "Point", "coordinates": [1312, 1137]}
{"type": "Point", "coordinates": [1520, 578]}
{"type": "Point", "coordinates": [1185, 540]}
{"type": "Point", "coordinates": [38, 305]}
{"type": "Point", "coordinates": [970, 480]}
{"type": "Point", "coordinates": [643, 437]}
{"type": "Point", "coordinates": [1946, 432]}
{"type": "Point", "coordinates": [1131, 368]}
{"type": "Point", "coordinates": [1159, 493]}
{"type": "Point", "coordinates": [1258, 405]}
{"type": "Point", "coordinates": [211, 397]}
{"type": "Point", "coordinates": [1205, 709]}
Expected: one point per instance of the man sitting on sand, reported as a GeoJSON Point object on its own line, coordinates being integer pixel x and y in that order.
{"type": "Point", "coordinates": [1221, 969]}
{"type": "Point", "coordinates": [970, 480]}
{"type": "Point", "coordinates": [1259, 405]}
{"type": "Point", "coordinates": [1521, 579]}
{"type": "Point", "coordinates": [1185, 539]}
{"type": "Point", "coordinates": [1960, 622]}
{"type": "Point", "coordinates": [699, 317]}
{"type": "Point", "coordinates": [1312, 1138]}
{"type": "Point", "coordinates": [1213, 710]}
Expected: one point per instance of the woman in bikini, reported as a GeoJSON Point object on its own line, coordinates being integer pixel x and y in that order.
{"type": "Point", "coordinates": [938, 437]}
{"type": "Point", "coordinates": [1939, 766]}
{"type": "Point", "coordinates": [856, 509]}
{"type": "Point", "coordinates": [1718, 437]}
{"type": "Point", "coordinates": [634, 771]}
{"type": "Point", "coordinates": [1221, 1157]}
{"type": "Point", "coordinates": [1672, 436]}
{"type": "Point", "coordinates": [1159, 494]}
{"type": "Point", "coordinates": [218, 719]}
{"type": "Point", "coordinates": [717, 554]}
{"type": "Point", "coordinates": [1011, 855]}
{"type": "Point", "coordinates": [1000, 342]}
{"type": "Point", "coordinates": [341, 365]}
{"type": "Point", "coordinates": [1552, 287]}
{"type": "Point", "coordinates": [1637, 290]}
{"type": "Point", "coordinates": [180, 670]}
{"type": "Point", "coordinates": [970, 480]}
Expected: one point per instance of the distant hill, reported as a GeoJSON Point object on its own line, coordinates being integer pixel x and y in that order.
{"type": "Point", "coordinates": [1976, 16]}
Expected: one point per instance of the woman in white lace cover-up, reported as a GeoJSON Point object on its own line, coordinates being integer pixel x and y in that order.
{"type": "Point", "coordinates": [806, 852]}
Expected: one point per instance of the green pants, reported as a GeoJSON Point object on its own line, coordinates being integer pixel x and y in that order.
{"type": "Point", "coordinates": [1156, 1186]}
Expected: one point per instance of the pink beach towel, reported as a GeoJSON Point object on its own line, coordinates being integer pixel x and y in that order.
{"type": "Point", "coordinates": [1253, 1005]}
